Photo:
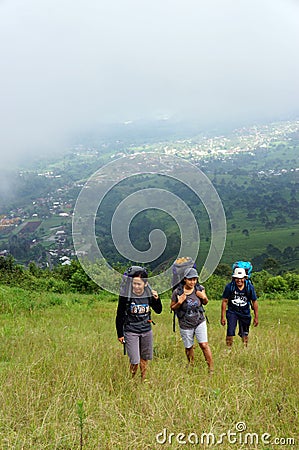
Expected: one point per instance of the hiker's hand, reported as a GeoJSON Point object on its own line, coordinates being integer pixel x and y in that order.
{"type": "Point", "coordinates": [200, 294]}
{"type": "Point", "coordinates": [155, 294]}
{"type": "Point", "coordinates": [121, 339]}
{"type": "Point", "coordinates": [255, 322]}
{"type": "Point", "coordinates": [223, 321]}
{"type": "Point", "coordinates": [182, 298]}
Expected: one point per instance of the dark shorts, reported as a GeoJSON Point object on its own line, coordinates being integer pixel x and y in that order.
{"type": "Point", "coordinates": [139, 345]}
{"type": "Point", "coordinates": [232, 319]}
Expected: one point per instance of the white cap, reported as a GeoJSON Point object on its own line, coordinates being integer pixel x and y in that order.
{"type": "Point", "coordinates": [239, 273]}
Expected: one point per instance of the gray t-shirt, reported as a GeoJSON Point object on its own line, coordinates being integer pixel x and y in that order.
{"type": "Point", "coordinates": [190, 313]}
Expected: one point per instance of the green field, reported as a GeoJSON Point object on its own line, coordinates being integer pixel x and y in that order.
{"type": "Point", "coordinates": [239, 246]}
{"type": "Point", "coordinates": [65, 382]}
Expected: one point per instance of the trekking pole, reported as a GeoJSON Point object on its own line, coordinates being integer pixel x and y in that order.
{"type": "Point", "coordinates": [173, 321]}
{"type": "Point", "coordinates": [125, 349]}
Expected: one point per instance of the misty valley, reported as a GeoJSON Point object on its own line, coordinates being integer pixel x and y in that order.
{"type": "Point", "coordinates": [255, 173]}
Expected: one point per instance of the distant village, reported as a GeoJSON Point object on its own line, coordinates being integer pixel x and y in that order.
{"type": "Point", "coordinates": [57, 239]}
{"type": "Point", "coordinates": [57, 209]}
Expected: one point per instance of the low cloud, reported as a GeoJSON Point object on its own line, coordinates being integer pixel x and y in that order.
{"type": "Point", "coordinates": [70, 67]}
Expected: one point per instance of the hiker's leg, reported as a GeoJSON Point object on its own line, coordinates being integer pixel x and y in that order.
{"type": "Point", "coordinates": [208, 355]}
{"type": "Point", "coordinates": [229, 341]}
{"type": "Point", "coordinates": [232, 319]}
{"type": "Point", "coordinates": [201, 333]}
{"type": "Point", "coordinates": [244, 324]}
{"type": "Point", "coordinates": [143, 367]}
{"type": "Point", "coordinates": [245, 340]}
{"type": "Point", "coordinates": [146, 351]}
{"type": "Point", "coordinates": [190, 354]}
{"type": "Point", "coordinates": [132, 343]}
{"type": "Point", "coordinates": [188, 340]}
{"type": "Point", "coordinates": [133, 369]}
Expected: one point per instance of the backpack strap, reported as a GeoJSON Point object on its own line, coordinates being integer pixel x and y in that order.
{"type": "Point", "coordinates": [248, 284]}
{"type": "Point", "coordinates": [180, 290]}
{"type": "Point", "coordinates": [129, 298]}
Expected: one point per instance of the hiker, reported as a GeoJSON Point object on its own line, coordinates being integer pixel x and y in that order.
{"type": "Point", "coordinates": [235, 308]}
{"type": "Point", "coordinates": [187, 304]}
{"type": "Point", "coordinates": [133, 320]}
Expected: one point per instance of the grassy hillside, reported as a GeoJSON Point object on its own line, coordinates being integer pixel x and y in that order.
{"type": "Point", "coordinates": [239, 246]}
{"type": "Point", "coordinates": [65, 383]}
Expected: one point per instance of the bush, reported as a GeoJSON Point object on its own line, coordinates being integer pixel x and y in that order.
{"type": "Point", "coordinates": [259, 280]}
{"type": "Point", "coordinates": [58, 286]}
{"type": "Point", "coordinates": [214, 287]}
{"type": "Point", "coordinates": [293, 281]}
{"type": "Point", "coordinates": [276, 284]}
{"type": "Point", "coordinates": [80, 282]}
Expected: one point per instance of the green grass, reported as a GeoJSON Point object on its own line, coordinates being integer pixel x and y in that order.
{"type": "Point", "coordinates": [257, 242]}
{"type": "Point", "coordinates": [64, 377]}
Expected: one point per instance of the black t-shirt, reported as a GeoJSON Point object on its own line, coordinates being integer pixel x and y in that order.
{"type": "Point", "coordinates": [134, 314]}
{"type": "Point", "coordinates": [239, 300]}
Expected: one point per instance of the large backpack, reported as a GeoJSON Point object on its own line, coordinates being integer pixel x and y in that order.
{"type": "Point", "coordinates": [178, 269]}
{"type": "Point", "coordinates": [246, 265]}
{"type": "Point", "coordinates": [125, 289]}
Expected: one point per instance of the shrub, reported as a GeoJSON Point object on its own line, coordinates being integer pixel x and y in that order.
{"type": "Point", "coordinates": [214, 287]}
{"type": "Point", "coordinates": [293, 281]}
{"type": "Point", "coordinates": [276, 284]}
{"type": "Point", "coordinates": [259, 280]}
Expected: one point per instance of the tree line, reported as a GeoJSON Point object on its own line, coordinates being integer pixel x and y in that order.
{"type": "Point", "coordinates": [72, 278]}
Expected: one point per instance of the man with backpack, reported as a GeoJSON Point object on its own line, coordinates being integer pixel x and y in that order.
{"type": "Point", "coordinates": [133, 318]}
{"type": "Point", "coordinates": [237, 297]}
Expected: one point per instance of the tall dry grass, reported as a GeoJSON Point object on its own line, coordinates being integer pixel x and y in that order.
{"type": "Point", "coordinates": [65, 382]}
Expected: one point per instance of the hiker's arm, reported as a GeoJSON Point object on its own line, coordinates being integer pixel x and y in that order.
{"type": "Point", "coordinates": [120, 318]}
{"type": "Point", "coordinates": [176, 304]}
{"type": "Point", "coordinates": [155, 294]}
{"type": "Point", "coordinates": [255, 311]}
{"type": "Point", "coordinates": [156, 303]}
{"type": "Point", "coordinates": [223, 311]}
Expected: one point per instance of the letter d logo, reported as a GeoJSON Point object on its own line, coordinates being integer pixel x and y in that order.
{"type": "Point", "coordinates": [161, 437]}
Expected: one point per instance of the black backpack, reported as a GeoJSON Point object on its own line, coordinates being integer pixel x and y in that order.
{"type": "Point", "coordinates": [125, 289]}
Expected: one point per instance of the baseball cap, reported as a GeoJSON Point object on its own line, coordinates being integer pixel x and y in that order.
{"type": "Point", "coordinates": [190, 273]}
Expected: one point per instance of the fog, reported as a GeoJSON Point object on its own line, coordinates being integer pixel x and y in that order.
{"type": "Point", "coordinates": [70, 67]}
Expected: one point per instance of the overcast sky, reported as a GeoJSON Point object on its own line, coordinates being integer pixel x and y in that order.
{"type": "Point", "coordinates": [68, 65]}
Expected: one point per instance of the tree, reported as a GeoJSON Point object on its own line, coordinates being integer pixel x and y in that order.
{"type": "Point", "coordinates": [223, 270]}
{"type": "Point", "coordinates": [271, 265]}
